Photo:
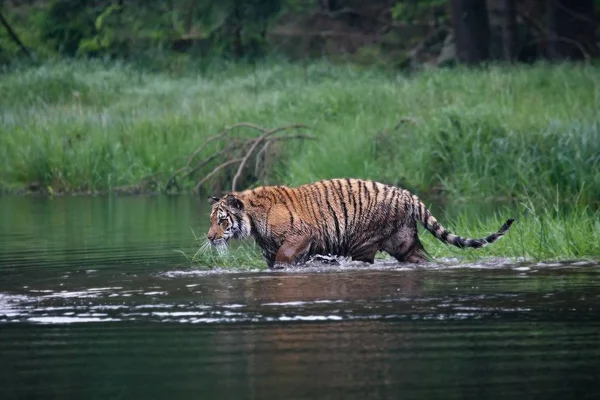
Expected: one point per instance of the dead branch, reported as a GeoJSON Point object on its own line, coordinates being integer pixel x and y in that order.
{"type": "Point", "coordinates": [187, 171]}
{"type": "Point", "coordinates": [13, 36]}
{"type": "Point", "coordinates": [221, 135]}
{"type": "Point", "coordinates": [547, 37]}
{"type": "Point", "coordinates": [586, 56]}
{"type": "Point", "coordinates": [434, 37]}
{"type": "Point", "coordinates": [236, 151]}
{"type": "Point", "coordinates": [215, 170]}
{"type": "Point", "coordinates": [270, 141]}
{"type": "Point", "coordinates": [260, 154]}
{"type": "Point", "coordinates": [259, 141]}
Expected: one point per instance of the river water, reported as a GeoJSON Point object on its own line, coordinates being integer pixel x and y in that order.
{"type": "Point", "coordinates": [96, 302]}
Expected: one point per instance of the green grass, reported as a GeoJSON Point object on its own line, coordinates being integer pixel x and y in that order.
{"type": "Point", "coordinates": [542, 232]}
{"type": "Point", "coordinates": [240, 255]}
{"type": "Point", "coordinates": [243, 256]}
{"type": "Point", "coordinates": [473, 135]}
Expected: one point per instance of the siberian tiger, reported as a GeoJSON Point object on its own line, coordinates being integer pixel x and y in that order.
{"type": "Point", "coordinates": [342, 217]}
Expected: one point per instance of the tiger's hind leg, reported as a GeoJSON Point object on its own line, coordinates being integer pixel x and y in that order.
{"type": "Point", "coordinates": [365, 253]}
{"type": "Point", "coordinates": [406, 247]}
{"type": "Point", "coordinates": [367, 257]}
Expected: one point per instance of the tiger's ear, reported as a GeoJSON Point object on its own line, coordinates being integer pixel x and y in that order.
{"type": "Point", "coordinates": [212, 200]}
{"type": "Point", "coordinates": [234, 202]}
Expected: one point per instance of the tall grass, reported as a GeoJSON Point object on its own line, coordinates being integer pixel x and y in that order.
{"type": "Point", "coordinates": [473, 135]}
{"type": "Point", "coordinates": [543, 230]}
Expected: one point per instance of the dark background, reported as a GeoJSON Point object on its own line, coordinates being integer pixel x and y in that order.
{"type": "Point", "coordinates": [397, 34]}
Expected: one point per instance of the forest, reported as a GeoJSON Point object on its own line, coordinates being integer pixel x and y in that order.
{"type": "Point", "coordinates": [397, 34]}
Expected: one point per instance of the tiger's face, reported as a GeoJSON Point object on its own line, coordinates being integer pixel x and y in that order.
{"type": "Point", "coordinates": [228, 220]}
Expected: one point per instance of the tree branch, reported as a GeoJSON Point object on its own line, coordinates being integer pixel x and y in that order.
{"type": "Point", "coordinates": [214, 171]}
{"type": "Point", "coordinates": [260, 140]}
{"type": "Point", "coordinates": [14, 36]}
{"type": "Point", "coordinates": [221, 135]}
{"type": "Point", "coordinates": [237, 150]}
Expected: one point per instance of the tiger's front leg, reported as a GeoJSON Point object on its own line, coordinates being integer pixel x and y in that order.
{"type": "Point", "coordinates": [293, 249]}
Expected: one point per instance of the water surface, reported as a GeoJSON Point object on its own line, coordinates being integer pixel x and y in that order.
{"type": "Point", "coordinates": [95, 303]}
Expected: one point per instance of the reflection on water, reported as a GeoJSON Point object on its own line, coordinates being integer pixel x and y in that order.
{"type": "Point", "coordinates": [68, 232]}
{"type": "Point", "coordinates": [131, 320]}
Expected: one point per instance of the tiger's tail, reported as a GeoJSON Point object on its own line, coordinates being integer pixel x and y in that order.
{"type": "Point", "coordinates": [423, 215]}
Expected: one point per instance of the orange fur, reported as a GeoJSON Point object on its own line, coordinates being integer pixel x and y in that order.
{"type": "Point", "coordinates": [344, 217]}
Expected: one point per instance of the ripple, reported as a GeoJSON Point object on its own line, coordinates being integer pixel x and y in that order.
{"type": "Point", "coordinates": [68, 320]}
{"type": "Point", "coordinates": [380, 293]}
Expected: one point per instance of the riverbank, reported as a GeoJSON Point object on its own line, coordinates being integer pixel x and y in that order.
{"type": "Point", "coordinates": [500, 133]}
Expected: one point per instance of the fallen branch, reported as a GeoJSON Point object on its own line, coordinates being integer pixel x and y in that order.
{"type": "Point", "coordinates": [236, 151]}
{"type": "Point", "coordinates": [221, 135]}
{"type": "Point", "coordinates": [549, 37]}
{"type": "Point", "coordinates": [13, 36]}
{"type": "Point", "coordinates": [214, 171]}
{"type": "Point", "coordinates": [259, 141]}
{"type": "Point", "coordinates": [172, 181]}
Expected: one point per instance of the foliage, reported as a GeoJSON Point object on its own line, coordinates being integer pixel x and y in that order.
{"type": "Point", "coordinates": [410, 10]}
{"type": "Point", "coordinates": [136, 29]}
{"type": "Point", "coordinates": [66, 24]}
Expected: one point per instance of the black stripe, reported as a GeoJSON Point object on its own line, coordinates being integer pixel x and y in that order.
{"type": "Point", "coordinates": [319, 200]}
{"type": "Point", "coordinates": [444, 235]}
{"type": "Point", "coordinates": [343, 204]}
{"type": "Point", "coordinates": [363, 185]}
{"type": "Point", "coordinates": [475, 243]}
{"type": "Point", "coordinates": [291, 217]}
{"type": "Point", "coordinates": [301, 199]}
{"type": "Point", "coordinates": [360, 204]}
{"type": "Point", "coordinates": [372, 202]}
{"type": "Point", "coordinates": [375, 189]}
{"type": "Point", "coordinates": [351, 191]}
{"type": "Point", "coordinates": [422, 212]}
{"type": "Point", "coordinates": [284, 194]}
{"type": "Point", "coordinates": [344, 198]}
{"type": "Point", "coordinates": [309, 201]}
{"type": "Point", "coordinates": [333, 214]}
{"type": "Point", "coordinates": [271, 197]}
{"type": "Point", "coordinates": [287, 207]}
{"type": "Point", "coordinates": [396, 202]}
{"type": "Point", "coordinates": [387, 203]}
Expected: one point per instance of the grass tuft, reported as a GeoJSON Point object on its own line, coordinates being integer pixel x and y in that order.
{"type": "Point", "coordinates": [239, 255]}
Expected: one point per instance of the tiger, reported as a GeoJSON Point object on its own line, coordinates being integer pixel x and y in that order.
{"type": "Point", "coordinates": [339, 217]}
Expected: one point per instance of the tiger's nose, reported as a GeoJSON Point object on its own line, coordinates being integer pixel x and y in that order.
{"type": "Point", "coordinates": [211, 235]}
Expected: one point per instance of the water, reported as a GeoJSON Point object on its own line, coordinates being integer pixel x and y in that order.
{"type": "Point", "coordinates": [95, 303]}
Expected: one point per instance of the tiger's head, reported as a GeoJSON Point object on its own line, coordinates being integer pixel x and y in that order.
{"type": "Point", "coordinates": [228, 219]}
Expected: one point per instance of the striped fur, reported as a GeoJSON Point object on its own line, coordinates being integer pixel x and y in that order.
{"type": "Point", "coordinates": [343, 217]}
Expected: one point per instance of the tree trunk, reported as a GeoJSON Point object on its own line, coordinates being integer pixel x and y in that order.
{"type": "Point", "coordinates": [238, 46]}
{"type": "Point", "coordinates": [509, 29]}
{"type": "Point", "coordinates": [471, 30]}
{"type": "Point", "coordinates": [572, 29]}
{"type": "Point", "coordinates": [14, 36]}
